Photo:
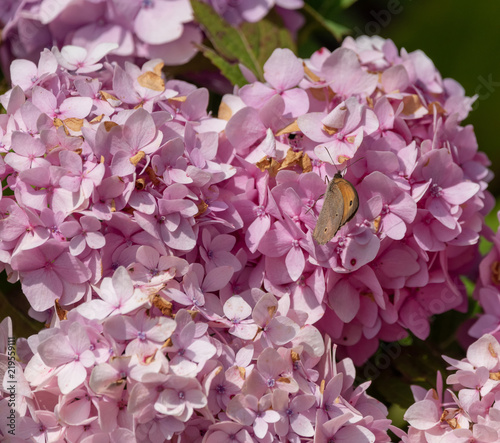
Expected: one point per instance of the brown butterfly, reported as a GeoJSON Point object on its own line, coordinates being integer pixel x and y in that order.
{"type": "Point", "coordinates": [340, 205]}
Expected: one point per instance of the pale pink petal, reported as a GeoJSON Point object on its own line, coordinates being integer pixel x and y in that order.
{"type": "Point", "coordinates": [71, 376]}
{"type": "Point", "coordinates": [237, 308]}
{"type": "Point", "coordinates": [217, 278]}
{"type": "Point", "coordinates": [423, 415]}
{"type": "Point", "coordinates": [283, 70]}
{"type": "Point", "coordinates": [76, 107]}
{"type": "Point", "coordinates": [295, 262]}
{"type": "Point", "coordinates": [302, 425]}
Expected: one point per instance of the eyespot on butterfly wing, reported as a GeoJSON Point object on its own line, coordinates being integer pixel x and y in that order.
{"type": "Point", "coordinates": [339, 206]}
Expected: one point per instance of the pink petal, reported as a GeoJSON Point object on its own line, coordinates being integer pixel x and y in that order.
{"type": "Point", "coordinates": [302, 425]}
{"type": "Point", "coordinates": [217, 278]}
{"type": "Point", "coordinates": [71, 269]}
{"type": "Point", "coordinates": [256, 231]}
{"type": "Point", "coordinates": [194, 109]}
{"type": "Point", "coordinates": [244, 129]}
{"type": "Point", "coordinates": [256, 94]}
{"type": "Point", "coordinates": [270, 363]}
{"type": "Point", "coordinates": [70, 228]}
{"type": "Point", "coordinates": [180, 51]}
{"type": "Point", "coordinates": [264, 309]}
{"type": "Point", "coordinates": [484, 352]}
{"type": "Point", "coordinates": [395, 79]}
{"type": "Point", "coordinates": [44, 100]}
{"type": "Point", "coordinates": [295, 262]}
{"type": "Point", "coordinates": [296, 102]}
{"type": "Point", "coordinates": [162, 22]}
{"type": "Point", "coordinates": [237, 308]}
{"type": "Point", "coordinates": [344, 299]}
{"type": "Point", "coordinates": [77, 245]}
{"type": "Point", "coordinates": [72, 56]}
{"type": "Point", "coordinates": [99, 51]}
{"type": "Point", "coordinates": [196, 398]}
{"type": "Point", "coordinates": [346, 75]}
{"type": "Point", "coordinates": [95, 240]}
{"type": "Point", "coordinates": [399, 262]}
{"type": "Point", "coordinates": [90, 223]}
{"type": "Point", "coordinates": [283, 70]}
{"type": "Point", "coordinates": [76, 107]}
{"type": "Point", "coordinates": [223, 242]}
{"type": "Point", "coordinates": [393, 226]}
{"type": "Point", "coordinates": [260, 425]}
{"type": "Point", "coordinates": [42, 287]}
{"type": "Point", "coordinates": [202, 350]}
{"type": "Point", "coordinates": [282, 330]}
{"type": "Point", "coordinates": [460, 193]}
{"type": "Point", "coordinates": [78, 338]}
{"type": "Point", "coordinates": [422, 415]}
{"type": "Point", "coordinates": [122, 283]}
{"type": "Point", "coordinates": [123, 86]}
{"type": "Point", "coordinates": [439, 209]}
{"type": "Point", "coordinates": [311, 125]}
{"type": "Point", "coordinates": [49, 11]}
{"type": "Point", "coordinates": [56, 351]}
{"type": "Point", "coordinates": [22, 72]}
{"type": "Point", "coordinates": [276, 242]}
{"type": "Point", "coordinates": [348, 434]}
{"type": "Point", "coordinates": [139, 129]}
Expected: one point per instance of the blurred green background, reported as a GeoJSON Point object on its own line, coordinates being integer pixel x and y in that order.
{"type": "Point", "coordinates": [461, 37]}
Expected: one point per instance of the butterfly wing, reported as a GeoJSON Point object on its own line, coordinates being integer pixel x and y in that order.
{"type": "Point", "coordinates": [349, 198]}
{"type": "Point", "coordinates": [331, 215]}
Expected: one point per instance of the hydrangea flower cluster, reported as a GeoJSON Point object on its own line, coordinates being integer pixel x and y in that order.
{"type": "Point", "coordinates": [471, 413]}
{"type": "Point", "coordinates": [239, 11]}
{"type": "Point", "coordinates": [159, 29]}
{"type": "Point", "coordinates": [487, 291]}
{"type": "Point", "coordinates": [130, 370]}
{"type": "Point", "coordinates": [171, 252]}
{"type": "Point", "coordinates": [395, 123]}
{"type": "Point", "coordinates": [142, 30]}
{"type": "Point", "coordinates": [122, 231]}
{"type": "Point", "coordinates": [104, 160]}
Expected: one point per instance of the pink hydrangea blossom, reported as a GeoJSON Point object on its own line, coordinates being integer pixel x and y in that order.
{"type": "Point", "coordinates": [390, 133]}
{"type": "Point", "coordinates": [144, 29]}
{"type": "Point", "coordinates": [467, 413]}
{"type": "Point", "coordinates": [166, 169]}
{"type": "Point", "coordinates": [172, 252]}
{"type": "Point", "coordinates": [487, 292]}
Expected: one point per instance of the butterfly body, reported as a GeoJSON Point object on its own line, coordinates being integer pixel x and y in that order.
{"type": "Point", "coordinates": [340, 205]}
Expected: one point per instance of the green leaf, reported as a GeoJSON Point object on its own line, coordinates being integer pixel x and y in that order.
{"type": "Point", "coordinates": [336, 29]}
{"type": "Point", "coordinates": [265, 36]}
{"type": "Point", "coordinates": [229, 70]}
{"type": "Point", "coordinates": [344, 4]}
{"type": "Point", "coordinates": [228, 42]}
{"type": "Point", "coordinates": [328, 8]}
{"type": "Point", "coordinates": [251, 44]}
{"type": "Point", "coordinates": [469, 285]}
{"type": "Point", "coordinates": [396, 415]}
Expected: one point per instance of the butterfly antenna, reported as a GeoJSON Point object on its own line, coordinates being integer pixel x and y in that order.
{"type": "Point", "coordinates": [329, 155]}
{"type": "Point", "coordinates": [333, 163]}
{"type": "Point", "coordinates": [314, 204]}
{"type": "Point", "coordinates": [357, 160]}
